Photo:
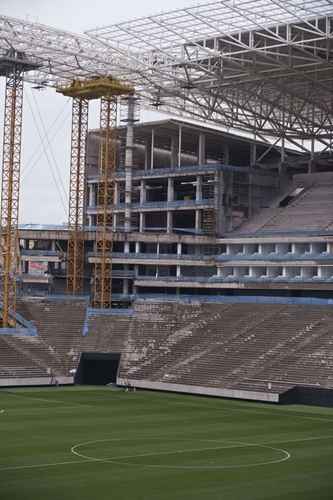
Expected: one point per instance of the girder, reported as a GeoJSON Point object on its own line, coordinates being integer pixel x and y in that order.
{"type": "Point", "coordinates": [102, 286]}
{"type": "Point", "coordinates": [11, 161]}
{"type": "Point", "coordinates": [206, 61]}
{"type": "Point", "coordinates": [75, 253]}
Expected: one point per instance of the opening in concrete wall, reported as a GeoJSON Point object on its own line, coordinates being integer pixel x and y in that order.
{"type": "Point", "coordinates": [97, 368]}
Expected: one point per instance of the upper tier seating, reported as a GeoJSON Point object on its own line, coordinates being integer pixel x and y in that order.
{"type": "Point", "coordinates": [310, 210]}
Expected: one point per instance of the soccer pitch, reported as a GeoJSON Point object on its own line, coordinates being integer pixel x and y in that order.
{"type": "Point", "coordinates": [84, 443]}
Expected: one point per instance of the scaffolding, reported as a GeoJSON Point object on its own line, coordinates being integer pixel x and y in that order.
{"type": "Point", "coordinates": [108, 89]}
{"type": "Point", "coordinates": [75, 251]}
{"type": "Point", "coordinates": [102, 289]}
{"type": "Point", "coordinates": [13, 65]}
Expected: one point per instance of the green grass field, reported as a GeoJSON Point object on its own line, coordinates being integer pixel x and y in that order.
{"type": "Point", "coordinates": [96, 443]}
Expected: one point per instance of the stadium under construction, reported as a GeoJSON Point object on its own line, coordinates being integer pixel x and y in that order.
{"type": "Point", "coordinates": [198, 254]}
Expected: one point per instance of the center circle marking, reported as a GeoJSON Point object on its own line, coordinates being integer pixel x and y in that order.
{"type": "Point", "coordinates": [119, 460]}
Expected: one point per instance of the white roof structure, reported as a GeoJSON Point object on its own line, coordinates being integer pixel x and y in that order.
{"type": "Point", "coordinates": [260, 65]}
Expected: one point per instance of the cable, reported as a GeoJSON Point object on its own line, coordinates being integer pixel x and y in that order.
{"type": "Point", "coordinates": [50, 149]}
{"type": "Point", "coordinates": [47, 157]}
{"type": "Point", "coordinates": [36, 151]}
{"type": "Point", "coordinates": [28, 169]}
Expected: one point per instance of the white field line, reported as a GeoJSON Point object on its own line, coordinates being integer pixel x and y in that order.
{"type": "Point", "coordinates": [27, 411]}
{"type": "Point", "coordinates": [55, 464]}
{"type": "Point", "coordinates": [286, 456]}
{"type": "Point", "coordinates": [45, 400]}
{"type": "Point", "coordinates": [41, 466]}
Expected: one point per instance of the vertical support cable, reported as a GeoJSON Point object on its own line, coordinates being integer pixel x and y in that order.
{"type": "Point", "coordinates": [10, 190]}
{"type": "Point", "coordinates": [102, 289]}
{"type": "Point", "coordinates": [75, 252]}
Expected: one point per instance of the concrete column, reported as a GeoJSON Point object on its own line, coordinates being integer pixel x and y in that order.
{"type": "Point", "coordinates": [137, 247]}
{"type": "Point", "coordinates": [152, 156]}
{"type": "Point", "coordinates": [198, 221]}
{"type": "Point", "coordinates": [126, 247]}
{"type": "Point", "coordinates": [142, 222]}
{"type": "Point", "coordinates": [171, 191]}
{"type": "Point", "coordinates": [253, 159]}
{"type": "Point", "coordinates": [147, 155]}
{"type": "Point", "coordinates": [237, 272]}
{"type": "Point", "coordinates": [129, 161]}
{"type": "Point", "coordinates": [169, 221]}
{"type": "Point", "coordinates": [221, 210]}
{"type": "Point", "coordinates": [323, 272]}
{"type": "Point", "coordinates": [115, 219]}
{"type": "Point", "coordinates": [254, 272]}
{"type": "Point", "coordinates": [311, 164]}
{"type": "Point", "coordinates": [202, 149]}
{"type": "Point", "coordinates": [143, 192]}
{"type": "Point", "coordinates": [53, 245]}
{"type": "Point", "coordinates": [180, 139]}
{"type": "Point", "coordinates": [91, 200]}
{"type": "Point", "coordinates": [198, 194]}
{"type": "Point", "coordinates": [179, 248]}
{"type": "Point", "coordinates": [173, 153]}
{"type": "Point", "coordinates": [178, 272]}
{"type": "Point", "coordinates": [116, 193]}
{"type": "Point", "coordinates": [125, 286]}
{"type": "Point", "coordinates": [282, 165]}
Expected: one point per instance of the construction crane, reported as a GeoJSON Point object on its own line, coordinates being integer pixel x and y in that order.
{"type": "Point", "coordinates": [13, 66]}
{"type": "Point", "coordinates": [108, 89]}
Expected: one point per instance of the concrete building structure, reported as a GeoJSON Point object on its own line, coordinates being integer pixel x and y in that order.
{"type": "Point", "coordinates": [199, 211]}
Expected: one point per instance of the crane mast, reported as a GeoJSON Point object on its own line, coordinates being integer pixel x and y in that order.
{"type": "Point", "coordinates": [13, 66]}
{"type": "Point", "coordinates": [107, 89]}
{"type": "Point", "coordinates": [75, 250]}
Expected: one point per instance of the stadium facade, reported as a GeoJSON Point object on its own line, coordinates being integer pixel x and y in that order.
{"type": "Point", "coordinates": [203, 211]}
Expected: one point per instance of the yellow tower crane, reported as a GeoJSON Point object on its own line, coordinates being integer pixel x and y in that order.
{"type": "Point", "coordinates": [13, 66]}
{"type": "Point", "coordinates": [82, 91]}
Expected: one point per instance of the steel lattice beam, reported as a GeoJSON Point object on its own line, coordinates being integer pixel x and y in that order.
{"type": "Point", "coordinates": [75, 253]}
{"type": "Point", "coordinates": [10, 189]}
{"type": "Point", "coordinates": [102, 289]}
{"type": "Point", "coordinates": [207, 62]}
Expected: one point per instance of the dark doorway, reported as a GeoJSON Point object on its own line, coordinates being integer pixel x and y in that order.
{"type": "Point", "coordinates": [97, 368]}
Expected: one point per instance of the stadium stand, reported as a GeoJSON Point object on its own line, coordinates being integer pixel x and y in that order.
{"type": "Point", "coordinates": [306, 205]}
{"type": "Point", "coordinates": [231, 346]}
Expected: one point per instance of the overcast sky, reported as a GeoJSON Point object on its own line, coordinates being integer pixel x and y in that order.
{"type": "Point", "coordinates": [43, 162]}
